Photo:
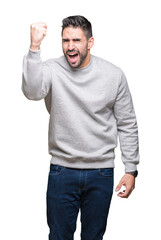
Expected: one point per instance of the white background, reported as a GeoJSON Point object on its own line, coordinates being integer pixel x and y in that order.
{"type": "Point", "coordinates": [127, 33]}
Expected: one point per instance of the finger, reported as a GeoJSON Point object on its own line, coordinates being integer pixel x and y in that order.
{"type": "Point", "coordinates": [118, 187]}
{"type": "Point", "coordinates": [38, 26]}
{"type": "Point", "coordinates": [38, 29]}
{"type": "Point", "coordinates": [122, 195]}
{"type": "Point", "coordinates": [40, 23]}
{"type": "Point", "coordinates": [125, 194]}
{"type": "Point", "coordinates": [44, 34]}
{"type": "Point", "coordinates": [45, 26]}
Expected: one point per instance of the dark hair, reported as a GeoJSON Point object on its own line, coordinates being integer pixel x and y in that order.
{"type": "Point", "coordinates": [78, 21]}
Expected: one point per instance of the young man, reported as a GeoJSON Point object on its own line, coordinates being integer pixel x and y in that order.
{"type": "Point", "coordinates": [89, 104]}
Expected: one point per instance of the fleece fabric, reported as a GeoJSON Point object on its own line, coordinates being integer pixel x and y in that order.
{"type": "Point", "coordinates": [89, 108]}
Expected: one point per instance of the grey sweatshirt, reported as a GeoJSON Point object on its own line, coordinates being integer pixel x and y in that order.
{"type": "Point", "coordinates": [88, 107]}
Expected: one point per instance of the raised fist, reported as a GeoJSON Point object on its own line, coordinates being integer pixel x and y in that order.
{"type": "Point", "coordinates": [38, 31]}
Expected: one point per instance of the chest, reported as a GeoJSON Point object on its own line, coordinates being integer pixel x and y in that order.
{"type": "Point", "coordinates": [72, 92]}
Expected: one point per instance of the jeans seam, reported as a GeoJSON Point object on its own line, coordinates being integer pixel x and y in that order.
{"type": "Point", "coordinates": [85, 184]}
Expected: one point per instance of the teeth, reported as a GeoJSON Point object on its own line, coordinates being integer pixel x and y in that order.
{"type": "Point", "coordinates": [73, 54]}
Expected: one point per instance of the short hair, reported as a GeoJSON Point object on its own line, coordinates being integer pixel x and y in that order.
{"type": "Point", "coordinates": [78, 21]}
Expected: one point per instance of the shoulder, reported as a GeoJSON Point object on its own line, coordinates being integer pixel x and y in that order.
{"type": "Point", "coordinates": [101, 61]}
{"type": "Point", "coordinates": [57, 62]}
{"type": "Point", "coordinates": [53, 61]}
{"type": "Point", "coordinates": [108, 67]}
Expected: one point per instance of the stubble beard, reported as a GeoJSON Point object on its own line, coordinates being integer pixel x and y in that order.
{"type": "Point", "coordinates": [82, 57]}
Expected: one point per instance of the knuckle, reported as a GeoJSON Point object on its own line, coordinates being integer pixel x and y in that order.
{"type": "Point", "coordinates": [33, 24]}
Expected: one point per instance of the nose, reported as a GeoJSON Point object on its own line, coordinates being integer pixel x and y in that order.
{"type": "Point", "coordinates": [70, 45]}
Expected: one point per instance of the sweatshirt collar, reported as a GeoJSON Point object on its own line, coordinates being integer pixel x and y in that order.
{"type": "Point", "coordinates": [79, 69]}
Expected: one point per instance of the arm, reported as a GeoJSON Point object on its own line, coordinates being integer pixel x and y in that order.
{"type": "Point", "coordinates": [128, 135]}
{"type": "Point", "coordinates": [36, 78]}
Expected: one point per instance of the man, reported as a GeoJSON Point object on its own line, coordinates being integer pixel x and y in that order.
{"type": "Point", "coordinates": [89, 104]}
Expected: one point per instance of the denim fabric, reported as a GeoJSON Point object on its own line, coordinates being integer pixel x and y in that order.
{"type": "Point", "coordinates": [69, 190]}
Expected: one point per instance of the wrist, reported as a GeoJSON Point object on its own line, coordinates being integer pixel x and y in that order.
{"type": "Point", "coordinates": [35, 47]}
{"type": "Point", "coordinates": [134, 173]}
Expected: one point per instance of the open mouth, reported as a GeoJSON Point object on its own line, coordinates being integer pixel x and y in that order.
{"type": "Point", "coordinates": [73, 57]}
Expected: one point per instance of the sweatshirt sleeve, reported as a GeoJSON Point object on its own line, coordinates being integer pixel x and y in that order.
{"type": "Point", "coordinates": [127, 126]}
{"type": "Point", "coordinates": [36, 77]}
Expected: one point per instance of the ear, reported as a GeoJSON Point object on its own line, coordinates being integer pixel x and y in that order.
{"type": "Point", "coordinates": [90, 42]}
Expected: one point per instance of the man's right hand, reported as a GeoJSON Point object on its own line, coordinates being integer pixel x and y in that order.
{"type": "Point", "coordinates": [38, 31]}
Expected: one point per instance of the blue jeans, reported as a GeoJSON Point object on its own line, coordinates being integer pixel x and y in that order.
{"type": "Point", "coordinates": [69, 190]}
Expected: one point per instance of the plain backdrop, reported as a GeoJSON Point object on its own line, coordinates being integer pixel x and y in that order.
{"type": "Point", "coordinates": [128, 34]}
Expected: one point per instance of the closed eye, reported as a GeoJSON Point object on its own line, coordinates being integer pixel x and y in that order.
{"type": "Point", "coordinates": [77, 40]}
{"type": "Point", "coordinates": [65, 40]}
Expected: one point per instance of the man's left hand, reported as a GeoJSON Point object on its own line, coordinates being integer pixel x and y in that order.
{"type": "Point", "coordinates": [128, 181]}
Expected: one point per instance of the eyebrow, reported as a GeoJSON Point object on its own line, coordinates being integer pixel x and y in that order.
{"type": "Point", "coordinates": [74, 39]}
{"type": "Point", "coordinates": [77, 39]}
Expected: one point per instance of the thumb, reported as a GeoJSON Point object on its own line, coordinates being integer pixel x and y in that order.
{"type": "Point", "coordinates": [118, 186]}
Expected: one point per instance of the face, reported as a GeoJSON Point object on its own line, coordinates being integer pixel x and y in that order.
{"type": "Point", "coordinates": [76, 47]}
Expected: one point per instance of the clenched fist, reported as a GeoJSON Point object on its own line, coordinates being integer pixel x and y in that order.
{"type": "Point", "coordinates": [38, 31]}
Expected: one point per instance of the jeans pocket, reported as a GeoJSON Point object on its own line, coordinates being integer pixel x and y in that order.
{"type": "Point", "coordinates": [106, 172]}
{"type": "Point", "coordinates": [55, 169]}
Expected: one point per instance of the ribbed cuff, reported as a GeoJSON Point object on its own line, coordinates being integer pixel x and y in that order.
{"type": "Point", "coordinates": [34, 54]}
{"type": "Point", "coordinates": [130, 167]}
{"type": "Point", "coordinates": [34, 50]}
